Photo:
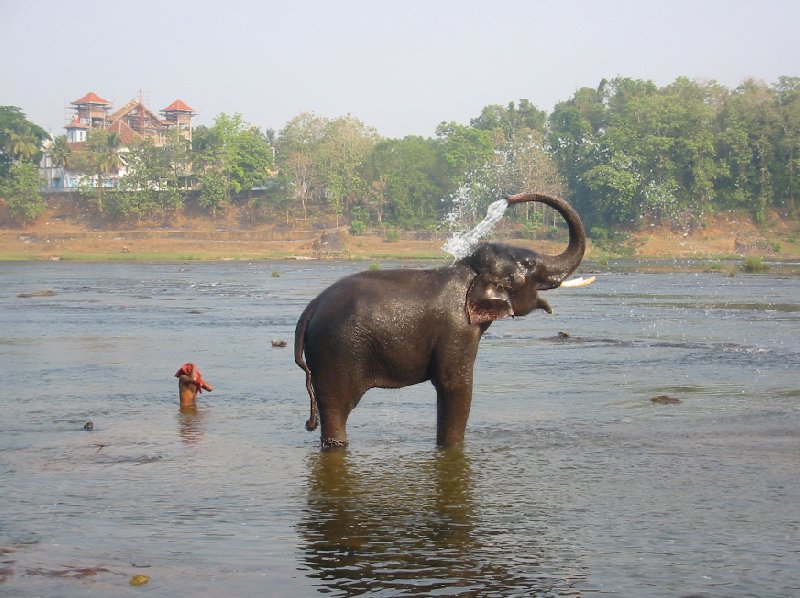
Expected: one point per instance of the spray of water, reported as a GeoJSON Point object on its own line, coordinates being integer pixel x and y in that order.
{"type": "Point", "coordinates": [493, 179]}
{"type": "Point", "coordinates": [460, 245]}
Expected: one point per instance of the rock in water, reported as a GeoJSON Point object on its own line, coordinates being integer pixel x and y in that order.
{"type": "Point", "coordinates": [664, 400]}
{"type": "Point", "coordinates": [139, 580]}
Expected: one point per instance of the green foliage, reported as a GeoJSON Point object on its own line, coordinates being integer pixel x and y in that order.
{"type": "Point", "coordinates": [214, 191]}
{"type": "Point", "coordinates": [102, 157]}
{"type": "Point", "coordinates": [324, 161]}
{"type": "Point", "coordinates": [20, 139]}
{"type": "Point", "coordinates": [60, 152]}
{"type": "Point", "coordinates": [408, 181]}
{"type": "Point", "coordinates": [753, 264]}
{"type": "Point", "coordinates": [512, 119]}
{"type": "Point", "coordinates": [464, 149]}
{"type": "Point", "coordinates": [22, 189]}
{"type": "Point", "coordinates": [624, 152]}
{"type": "Point", "coordinates": [230, 157]}
{"type": "Point", "coordinates": [150, 186]}
{"type": "Point", "coordinates": [611, 241]}
{"type": "Point", "coordinates": [359, 220]}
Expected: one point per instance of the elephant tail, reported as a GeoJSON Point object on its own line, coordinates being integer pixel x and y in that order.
{"type": "Point", "coordinates": [299, 347]}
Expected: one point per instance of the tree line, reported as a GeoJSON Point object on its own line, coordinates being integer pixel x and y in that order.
{"type": "Point", "coordinates": [624, 152]}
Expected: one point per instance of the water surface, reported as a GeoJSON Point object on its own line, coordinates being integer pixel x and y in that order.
{"type": "Point", "coordinates": [571, 483]}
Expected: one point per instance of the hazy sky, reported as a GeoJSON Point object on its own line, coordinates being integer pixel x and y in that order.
{"type": "Point", "coordinates": [401, 66]}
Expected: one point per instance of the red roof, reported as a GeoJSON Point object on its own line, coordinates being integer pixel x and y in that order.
{"type": "Point", "coordinates": [126, 134]}
{"type": "Point", "coordinates": [91, 98]}
{"type": "Point", "coordinates": [76, 124]}
{"type": "Point", "coordinates": [178, 106]}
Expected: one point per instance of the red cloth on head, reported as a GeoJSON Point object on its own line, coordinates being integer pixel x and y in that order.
{"type": "Point", "coordinates": [186, 370]}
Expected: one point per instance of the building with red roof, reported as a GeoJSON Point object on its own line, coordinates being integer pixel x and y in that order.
{"type": "Point", "coordinates": [178, 117]}
{"type": "Point", "coordinates": [133, 122]}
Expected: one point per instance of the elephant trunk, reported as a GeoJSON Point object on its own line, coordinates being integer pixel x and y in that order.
{"type": "Point", "coordinates": [557, 267]}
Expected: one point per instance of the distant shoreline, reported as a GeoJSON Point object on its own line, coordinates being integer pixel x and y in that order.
{"type": "Point", "coordinates": [63, 233]}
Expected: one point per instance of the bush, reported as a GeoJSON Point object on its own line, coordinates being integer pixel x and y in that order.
{"type": "Point", "coordinates": [611, 241]}
{"type": "Point", "coordinates": [357, 227]}
{"type": "Point", "coordinates": [754, 264]}
{"type": "Point", "coordinates": [359, 220]}
{"type": "Point", "coordinates": [213, 191]}
{"type": "Point", "coordinates": [23, 191]}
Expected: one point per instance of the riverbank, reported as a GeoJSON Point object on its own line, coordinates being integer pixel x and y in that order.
{"type": "Point", "coordinates": [64, 233]}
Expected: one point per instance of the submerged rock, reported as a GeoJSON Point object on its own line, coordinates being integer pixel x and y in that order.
{"type": "Point", "coordinates": [46, 293]}
{"type": "Point", "coordinates": [665, 400]}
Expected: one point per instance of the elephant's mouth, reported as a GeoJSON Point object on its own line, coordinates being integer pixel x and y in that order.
{"type": "Point", "coordinates": [574, 283]}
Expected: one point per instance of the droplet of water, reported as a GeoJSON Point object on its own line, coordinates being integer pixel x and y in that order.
{"type": "Point", "coordinates": [460, 245]}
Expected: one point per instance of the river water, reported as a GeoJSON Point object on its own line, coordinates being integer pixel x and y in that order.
{"type": "Point", "coordinates": [571, 483]}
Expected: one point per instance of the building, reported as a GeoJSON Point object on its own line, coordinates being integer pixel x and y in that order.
{"type": "Point", "coordinates": [133, 122]}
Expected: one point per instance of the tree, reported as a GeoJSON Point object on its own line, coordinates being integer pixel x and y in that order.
{"type": "Point", "coordinates": [630, 150]}
{"type": "Point", "coordinates": [755, 107]}
{"type": "Point", "coordinates": [522, 116]}
{"type": "Point", "coordinates": [463, 149]}
{"type": "Point", "coordinates": [576, 128]}
{"type": "Point", "coordinates": [20, 139]}
{"type": "Point", "coordinates": [343, 153]}
{"type": "Point", "coordinates": [407, 182]}
{"type": "Point", "coordinates": [297, 147]}
{"type": "Point", "coordinates": [22, 189]}
{"type": "Point", "coordinates": [60, 152]}
{"type": "Point", "coordinates": [527, 165]}
{"type": "Point", "coordinates": [520, 161]}
{"type": "Point", "coordinates": [788, 90]}
{"type": "Point", "coordinates": [232, 156]}
{"type": "Point", "coordinates": [150, 186]}
{"type": "Point", "coordinates": [103, 157]}
{"type": "Point", "coordinates": [324, 160]}
{"type": "Point", "coordinates": [23, 145]}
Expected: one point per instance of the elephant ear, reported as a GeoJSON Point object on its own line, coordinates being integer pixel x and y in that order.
{"type": "Point", "coordinates": [487, 301]}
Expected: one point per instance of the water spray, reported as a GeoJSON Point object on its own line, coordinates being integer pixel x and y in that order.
{"type": "Point", "coordinates": [460, 245]}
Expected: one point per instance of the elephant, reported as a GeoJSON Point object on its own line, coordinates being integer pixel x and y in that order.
{"type": "Point", "coordinates": [399, 327]}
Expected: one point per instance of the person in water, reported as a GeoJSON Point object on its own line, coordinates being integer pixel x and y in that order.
{"type": "Point", "coordinates": [190, 382]}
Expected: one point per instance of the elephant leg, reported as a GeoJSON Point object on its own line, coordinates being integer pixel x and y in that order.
{"type": "Point", "coordinates": [453, 401]}
{"type": "Point", "coordinates": [333, 427]}
{"type": "Point", "coordinates": [337, 395]}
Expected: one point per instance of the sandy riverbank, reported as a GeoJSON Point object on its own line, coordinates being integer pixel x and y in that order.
{"type": "Point", "coordinates": [63, 233]}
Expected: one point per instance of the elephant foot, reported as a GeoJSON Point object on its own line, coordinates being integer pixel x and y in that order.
{"type": "Point", "coordinates": [330, 443]}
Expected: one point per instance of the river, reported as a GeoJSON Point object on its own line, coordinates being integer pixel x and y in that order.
{"type": "Point", "coordinates": [571, 482]}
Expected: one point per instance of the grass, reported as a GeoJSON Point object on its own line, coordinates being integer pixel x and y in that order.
{"type": "Point", "coordinates": [753, 264]}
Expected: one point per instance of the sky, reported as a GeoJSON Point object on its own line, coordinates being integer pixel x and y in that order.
{"type": "Point", "coordinates": [400, 66]}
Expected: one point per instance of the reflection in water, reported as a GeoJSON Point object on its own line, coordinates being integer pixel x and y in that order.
{"type": "Point", "coordinates": [190, 424]}
{"type": "Point", "coordinates": [408, 528]}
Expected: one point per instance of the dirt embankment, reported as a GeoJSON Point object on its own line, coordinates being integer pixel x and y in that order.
{"type": "Point", "coordinates": [66, 231]}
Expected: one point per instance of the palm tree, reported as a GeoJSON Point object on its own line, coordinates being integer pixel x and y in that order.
{"type": "Point", "coordinates": [23, 144]}
{"type": "Point", "coordinates": [60, 152]}
{"type": "Point", "coordinates": [110, 160]}
{"type": "Point", "coordinates": [107, 159]}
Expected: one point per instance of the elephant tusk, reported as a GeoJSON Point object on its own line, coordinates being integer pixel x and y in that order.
{"type": "Point", "coordinates": [578, 282]}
